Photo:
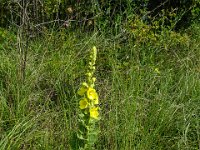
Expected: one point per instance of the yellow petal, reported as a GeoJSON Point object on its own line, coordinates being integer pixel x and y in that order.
{"type": "Point", "coordinates": [94, 113]}
{"type": "Point", "coordinates": [92, 94]}
{"type": "Point", "coordinates": [82, 89]}
{"type": "Point", "coordinates": [96, 101]}
{"type": "Point", "coordinates": [83, 103]}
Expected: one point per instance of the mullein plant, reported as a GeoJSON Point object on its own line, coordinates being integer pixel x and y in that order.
{"type": "Point", "coordinates": [89, 108]}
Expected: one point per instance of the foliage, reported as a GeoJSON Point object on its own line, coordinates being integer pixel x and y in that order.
{"type": "Point", "coordinates": [7, 40]}
{"type": "Point", "coordinates": [148, 77]}
{"type": "Point", "coordinates": [149, 89]}
{"type": "Point", "coordinates": [101, 14]}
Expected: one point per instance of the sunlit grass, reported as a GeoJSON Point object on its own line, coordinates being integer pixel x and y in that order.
{"type": "Point", "coordinates": [149, 93]}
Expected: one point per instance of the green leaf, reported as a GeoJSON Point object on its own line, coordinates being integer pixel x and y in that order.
{"type": "Point", "coordinates": [81, 137]}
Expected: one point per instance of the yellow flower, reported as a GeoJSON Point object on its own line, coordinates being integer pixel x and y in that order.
{"type": "Point", "coordinates": [96, 101]}
{"type": "Point", "coordinates": [92, 95]}
{"type": "Point", "coordinates": [94, 112]}
{"type": "Point", "coordinates": [157, 70]}
{"type": "Point", "coordinates": [83, 89]}
{"type": "Point", "coordinates": [83, 103]}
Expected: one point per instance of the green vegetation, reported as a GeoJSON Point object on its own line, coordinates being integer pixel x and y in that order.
{"type": "Point", "coordinates": [148, 80]}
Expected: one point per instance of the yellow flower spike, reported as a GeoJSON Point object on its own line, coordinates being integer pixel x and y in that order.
{"type": "Point", "coordinates": [83, 89]}
{"type": "Point", "coordinates": [88, 104]}
{"type": "Point", "coordinates": [83, 103]}
{"type": "Point", "coordinates": [92, 94]}
{"type": "Point", "coordinates": [94, 113]}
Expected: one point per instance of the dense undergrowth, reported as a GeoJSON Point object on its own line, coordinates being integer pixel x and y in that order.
{"type": "Point", "coordinates": [148, 85]}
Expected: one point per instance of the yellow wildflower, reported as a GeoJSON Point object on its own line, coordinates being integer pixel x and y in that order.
{"type": "Point", "coordinates": [83, 103]}
{"type": "Point", "coordinates": [96, 101]}
{"type": "Point", "coordinates": [157, 70]}
{"type": "Point", "coordinates": [92, 94]}
{"type": "Point", "coordinates": [94, 112]}
{"type": "Point", "coordinates": [83, 89]}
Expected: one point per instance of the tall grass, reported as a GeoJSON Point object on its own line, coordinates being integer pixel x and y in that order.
{"type": "Point", "coordinates": [149, 91]}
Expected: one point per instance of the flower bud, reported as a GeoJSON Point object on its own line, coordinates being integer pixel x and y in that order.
{"type": "Point", "coordinates": [93, 79]}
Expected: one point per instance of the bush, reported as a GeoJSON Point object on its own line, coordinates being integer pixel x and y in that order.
{"type": "Point", "coordinates": [100, 13]}
{"type": "Point", "coordinates": [185, 12]}
{"type": "Point", "coordinates": [7, 39]}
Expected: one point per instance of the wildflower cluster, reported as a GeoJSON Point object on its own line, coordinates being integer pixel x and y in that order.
{"type": "Point", "coordinates": [88, 105]}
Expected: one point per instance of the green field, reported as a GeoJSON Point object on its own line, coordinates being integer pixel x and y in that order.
{"type": "Point", "coordinates": [148, 81]}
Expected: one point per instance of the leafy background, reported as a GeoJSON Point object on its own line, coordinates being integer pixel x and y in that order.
{"type": "Point", "coordinates": [147, 71]}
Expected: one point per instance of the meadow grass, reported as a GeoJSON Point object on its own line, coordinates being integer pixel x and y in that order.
{"type": "Point", "coordinates": [149, 91]}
